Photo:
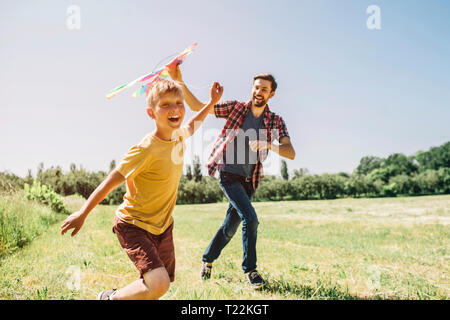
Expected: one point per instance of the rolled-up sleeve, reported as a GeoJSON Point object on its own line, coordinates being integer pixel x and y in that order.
{"type": "Point", "coordinates": [281, 129]}
{"type": "Point", "coordinates": [223, 109]}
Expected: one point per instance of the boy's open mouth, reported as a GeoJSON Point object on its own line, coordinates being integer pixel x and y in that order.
{"type": "Point", "coordinates": [174, 118]}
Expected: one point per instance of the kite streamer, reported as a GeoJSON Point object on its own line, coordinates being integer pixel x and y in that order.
{"type": "Point", "coordinates": [153, 76]}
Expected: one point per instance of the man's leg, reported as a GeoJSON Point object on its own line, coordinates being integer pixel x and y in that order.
{"type": "Point", "coordinates": [223, 235]}
{"type": "Point", "coordinates": [240, 200]}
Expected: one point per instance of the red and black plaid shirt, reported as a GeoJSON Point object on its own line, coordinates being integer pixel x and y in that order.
{"type": "Point", "coordinates": [235, 113]}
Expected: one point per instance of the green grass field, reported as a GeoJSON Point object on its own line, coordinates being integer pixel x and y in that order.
{"type": "Point", "coordinates": [391, 248]}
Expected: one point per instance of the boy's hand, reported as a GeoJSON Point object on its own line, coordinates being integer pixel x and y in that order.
{"type": "Point", "coordinates": [216, 92]}
{"type": "Point", "coordinates": [74, 221]}
{"type": "Point", "coordinates": [175, 73]}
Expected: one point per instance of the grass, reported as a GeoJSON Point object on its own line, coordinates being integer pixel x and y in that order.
{"type": "Point", "coordinates": [389, 248]}
{"type": "Point", "coordinates": [21, 221]}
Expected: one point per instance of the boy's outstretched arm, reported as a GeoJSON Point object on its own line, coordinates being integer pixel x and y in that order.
{"type": "Point", "coordinates": [194, 123]}
{"type": "Point", "coordinates": [75, 220]}
{"type": "Point", "coordinates": [191, 100]}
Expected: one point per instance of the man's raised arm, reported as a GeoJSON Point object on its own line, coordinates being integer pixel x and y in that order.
{"type": "Point", "coordinates": [191, 100]}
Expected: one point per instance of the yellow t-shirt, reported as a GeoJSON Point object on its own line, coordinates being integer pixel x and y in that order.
{"type": "Point", "coordinates": [152, 170]}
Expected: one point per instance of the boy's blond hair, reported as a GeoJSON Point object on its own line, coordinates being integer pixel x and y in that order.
{"type": "Point", "coordinates": [160, 87]}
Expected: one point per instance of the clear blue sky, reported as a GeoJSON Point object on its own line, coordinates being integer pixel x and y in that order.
{"type": "Point", "coordinates": [344, 91]}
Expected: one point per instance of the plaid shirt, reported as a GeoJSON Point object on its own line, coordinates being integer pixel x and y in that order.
{"type": "Point", "coordinates": [235, 112]}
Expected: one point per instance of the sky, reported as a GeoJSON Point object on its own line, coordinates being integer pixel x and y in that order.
{"type": "Point", "coordinates": [345, 91]}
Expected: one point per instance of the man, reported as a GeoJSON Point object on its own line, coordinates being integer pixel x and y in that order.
{"type": "Point", "coordinates": [238, 154]}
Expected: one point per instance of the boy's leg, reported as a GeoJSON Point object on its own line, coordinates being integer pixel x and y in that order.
{"type": "Point", "coordinates": [166, 251]}
{"type": "Point", "coordinates": [142, 249]}
{"type": "Point", "coordinates": [154, 285]}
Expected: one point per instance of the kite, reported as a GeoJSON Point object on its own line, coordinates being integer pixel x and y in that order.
{"type": "Point", "coordinates": [153, 76]}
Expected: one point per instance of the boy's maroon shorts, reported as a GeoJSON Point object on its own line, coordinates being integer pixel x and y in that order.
{"type": "Point", "coordinates": [146, 250]}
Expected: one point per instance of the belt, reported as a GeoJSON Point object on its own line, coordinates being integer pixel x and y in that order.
{"type": "Point", "coordinates": [237, 176]}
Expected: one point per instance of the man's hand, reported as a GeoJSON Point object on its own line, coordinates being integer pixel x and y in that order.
{"type": "Point", "coordinates": [258, 145]}
{"type": "Point", "coordinates": [175, 73]}
{"type": "Point", "coordinates": [216, 92]}
{"type": "Point", "coordinates": [74, 221]}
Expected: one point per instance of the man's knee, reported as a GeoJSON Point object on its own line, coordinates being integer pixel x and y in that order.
{"type": "Point", "coordinates": [157, 282]}
{"type": "Point", "coordinates": [229, 231]}
{"type": "Point", "coordinates": [251, 225]}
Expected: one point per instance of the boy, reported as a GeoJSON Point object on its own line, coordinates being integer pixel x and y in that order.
{"type": "Point", "coordinates": [152, 169]}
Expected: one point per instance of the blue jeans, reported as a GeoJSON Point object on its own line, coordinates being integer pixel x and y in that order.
{"type": "Point", "coordinates": [239, 192]}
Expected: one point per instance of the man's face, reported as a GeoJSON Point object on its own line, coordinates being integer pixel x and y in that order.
{"type": "Point", "coordinates": [261, 92]}
{"type": "Point", "coordinates": [169, 111]}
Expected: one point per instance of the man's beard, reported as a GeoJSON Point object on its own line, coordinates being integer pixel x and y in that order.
{"type": "Point", "coordinates": [260, 103]}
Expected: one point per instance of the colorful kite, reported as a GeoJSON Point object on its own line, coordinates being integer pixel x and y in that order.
{"type": "Point", "coordinates": [153, 76]}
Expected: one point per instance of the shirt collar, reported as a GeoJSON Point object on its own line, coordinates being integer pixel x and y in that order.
{"type": "Point", "coordinates": [266, 112]}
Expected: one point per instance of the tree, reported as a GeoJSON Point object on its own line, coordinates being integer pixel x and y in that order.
{"type": "Point", "coordinates": [398, 163]}
{"type": "Point", "coordinates": [40, 168]}
{"type": "Point", "coordinates": [300, 172]}
{"type": "Point", "coordinates": [367, 164]}
{"type": "Point", "coordinates": [29, 178]}
{"type": "Point", "coordinates": [435, 158]}
{"type": "Point", "coordinates": [197, 168]}
{"type": "Point", "coordinates": [343, 174]}
{"type": "Point", "coordinates": [112, 165]}
{"type": "Point", "coordinates": [284, 170]}
{"type": "Point", "coordinates": [188, 172]}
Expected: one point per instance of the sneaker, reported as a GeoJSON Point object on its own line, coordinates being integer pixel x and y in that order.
{"type": "Point", "coordinates": [255, 279]}
{"type": "Point", "coordinates": [205, 273]}
{"type": "Point", "coordinates": [106, 295]}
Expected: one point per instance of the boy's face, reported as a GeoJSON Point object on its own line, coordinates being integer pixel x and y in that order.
{"type": "Point", "coordinates": [169, 111]}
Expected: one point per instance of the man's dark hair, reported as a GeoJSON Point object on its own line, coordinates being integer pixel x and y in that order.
{"type": "Point", "coordinates": [269, 77]}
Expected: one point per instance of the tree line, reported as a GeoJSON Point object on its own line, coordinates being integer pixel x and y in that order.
{"type": "Point", "coordinates": [425, 173]}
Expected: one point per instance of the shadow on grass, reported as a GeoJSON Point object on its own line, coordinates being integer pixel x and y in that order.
{"type": "Point", "coordinates": [320, 291]}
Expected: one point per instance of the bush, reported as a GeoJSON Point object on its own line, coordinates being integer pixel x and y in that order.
{"type": "Point", "coordinates": [444, 180]}
{"type": "Point", "coordinates": [9, 182]}
{"type": "Point", "coordinates": [266, 190]}
{"type": "Point", "coordinates": [325, 186]}
{"type": "Point", "coordinates": [427, 182]}
{"type": "Point", "coordinates": [45, 195]}
{"type": "Point", "coordinates": [76, 181]}
{"type": "Point", "coordinates": [116, 196]}
{"type": "Point", "coordinates": [389, 190]}
{"type": "Point", "coordinates": [357, 185]}
{"type": "Point", "coordinates": [330, 186]}
{"type": "Point", "coordinates": [207, 190]}
{"type": "Point", "coordinates": [403, 184]}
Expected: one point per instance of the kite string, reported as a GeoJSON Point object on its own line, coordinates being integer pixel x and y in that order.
{"type": "Point", "coordinates": [191, 85]}
{"type": "Point", "coordinates": [179, 83]}
{"type": "Point", "coordinates": [157, 65]}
